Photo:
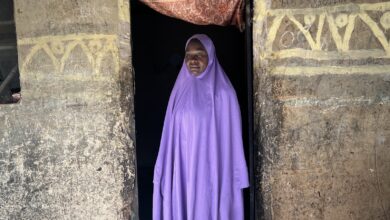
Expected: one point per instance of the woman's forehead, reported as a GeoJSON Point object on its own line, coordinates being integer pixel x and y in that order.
{"type": "Point", "coordinates": [195, 52]}
{"type": "Point", "coordinates": [195, 44]}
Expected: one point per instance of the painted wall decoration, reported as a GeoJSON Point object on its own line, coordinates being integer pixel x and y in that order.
{"type": "Point", "coordinates": [325, 34]}
{"type": "Point", "coordinates": [95, 47]}
{"type": "Point", "coordinates": [124, 10]}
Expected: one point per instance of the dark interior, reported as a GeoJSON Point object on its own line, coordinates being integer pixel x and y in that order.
{"type": "Point", "coordinates": [158, 50]}
{"type": "Point", "coordinates": [9, 83]}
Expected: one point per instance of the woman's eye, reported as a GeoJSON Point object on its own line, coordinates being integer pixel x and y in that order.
{"type": "Point", "coordinates": [190, 57]}
{"type": "Point", "coordinates": [194, 56]}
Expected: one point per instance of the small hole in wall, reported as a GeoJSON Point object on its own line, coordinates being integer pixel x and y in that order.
{"type": "Point", "coordinates": [9, 72]}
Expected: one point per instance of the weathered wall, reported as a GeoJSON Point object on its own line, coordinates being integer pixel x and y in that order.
{"type": "Point", "coordinates": [66, 151]}
{"type": "Point", "coordinates": [322, 83]}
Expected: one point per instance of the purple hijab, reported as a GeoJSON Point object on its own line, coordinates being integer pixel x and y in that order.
{"type": "Point", "coordinates": [200, 169]}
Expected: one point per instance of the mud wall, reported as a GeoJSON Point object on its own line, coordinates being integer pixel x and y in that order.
{"type": "Point", "coordinates": [322, 110]}
{"type": "Point", "coordinates": [67, 150]}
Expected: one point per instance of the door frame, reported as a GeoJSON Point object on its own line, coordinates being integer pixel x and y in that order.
{"type": "Point", "coordinates": [249, 75]}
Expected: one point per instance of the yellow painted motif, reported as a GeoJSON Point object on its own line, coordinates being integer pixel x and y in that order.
{"type": "Point", "coordinates": [323, 70]}
{"type": "Point", "coordinates": [337, 17]}
{"type": "Point", "coordinates": [268, 24]}
{"type": "Point", "coordinates": [124, 10]}
{"type": "Point", "coordinates": [59, 49]}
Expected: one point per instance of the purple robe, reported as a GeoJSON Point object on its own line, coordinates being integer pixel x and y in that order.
{"type": "Point", "coordinates": [201, 170]}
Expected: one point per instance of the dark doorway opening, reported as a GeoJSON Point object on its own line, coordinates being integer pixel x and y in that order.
{"type": "Point", "coordinates": [158, 52]}
{"type": "Point", "coordinates": [9, 73]}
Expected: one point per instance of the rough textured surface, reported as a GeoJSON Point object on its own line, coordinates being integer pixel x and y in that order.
{"type": "Point", "coordinates": [322, 109]}
{"type": "Point", "coordinates": [322, 106]}
{"type": "Point", "coordinates": [67, 150]}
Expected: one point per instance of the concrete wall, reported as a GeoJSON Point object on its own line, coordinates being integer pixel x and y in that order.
{"type": "Point", "coordinates": [67, 151]}
{"type": "Point", "coordinates": [322, 110]}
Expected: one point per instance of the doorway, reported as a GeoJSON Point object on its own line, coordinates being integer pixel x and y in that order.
{"type": "Point", "coordinates": [9, 73]}
{"type": "Point", "coordinates": [158, 52]}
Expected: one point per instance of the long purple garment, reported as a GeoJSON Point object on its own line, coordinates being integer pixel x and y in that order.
{"type": "Point", "coordinates": [200, 169]}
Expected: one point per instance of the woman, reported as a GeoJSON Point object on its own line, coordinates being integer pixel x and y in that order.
{"type": "Point", "coordinates": [200, 170]}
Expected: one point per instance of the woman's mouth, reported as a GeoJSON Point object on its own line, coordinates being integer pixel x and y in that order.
{"type": "Point", "coordinates": [194, 67]}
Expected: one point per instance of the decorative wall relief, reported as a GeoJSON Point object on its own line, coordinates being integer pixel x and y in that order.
{"type": "Point", "coordinates": [358, 33]}
{"type": "Point", "coordinates": [95, 47]}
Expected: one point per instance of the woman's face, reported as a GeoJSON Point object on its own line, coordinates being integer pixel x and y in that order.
{"type": "Point", "coordinates": [196, 57]}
